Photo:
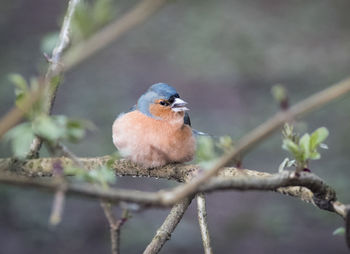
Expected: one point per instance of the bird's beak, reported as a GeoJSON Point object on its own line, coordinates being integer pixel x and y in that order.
{"type": "Point", "coordinates": [179, 105]}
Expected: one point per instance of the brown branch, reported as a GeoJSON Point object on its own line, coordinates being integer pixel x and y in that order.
{"type": "Point", "coordinates": [85, 190]}
{"type": "Point", "coordinates": [164, 232]}
{"type": "Point", "coordinates": [260, 133]}
{"type": "Point", "coordinates": [315, 191]}
{"type": "Point", "coordinates": [143, 10]}
{"type": "Point", "coordinates": [54, 71]}
{"type": "Point", "coordinates": [203, 223]}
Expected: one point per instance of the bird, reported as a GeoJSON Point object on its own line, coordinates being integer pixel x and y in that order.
{"type": "Point", "coordinates": [157, 130]}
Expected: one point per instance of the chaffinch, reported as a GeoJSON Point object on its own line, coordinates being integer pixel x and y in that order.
{"type": "Point", "coordinates": [157, 130]}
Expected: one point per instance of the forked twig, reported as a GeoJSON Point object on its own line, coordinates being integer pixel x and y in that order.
{"type": "Point", "coordinates": [114, 225]}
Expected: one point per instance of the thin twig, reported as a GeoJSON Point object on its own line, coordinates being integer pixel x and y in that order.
{"type": "Point", "coordinates": [143, 10]}
{"type": "Point", "coordinates": [54, 71]}
{"type": "Point", "coordinates": [57, 207]}
{"type": "Point", "coordinates": [60, 194]}
{"type": "Point", "coordinates": [114, 225]}
{"type": "Point", "coordinates": [260, 133]}
{"type": "Point", "coordinates": [55, 65]}
{"type": "Point", "coordinates": [164, 232]}
{"type": "Point", "coordinates": [203, 223]}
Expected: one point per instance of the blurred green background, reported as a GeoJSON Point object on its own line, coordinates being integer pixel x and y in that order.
{"type": "Point", "coordinates": [223, 57]}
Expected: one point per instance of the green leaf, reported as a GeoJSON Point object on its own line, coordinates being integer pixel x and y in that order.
{"type": "Point", "coordinates": [75, 130]}
{"type": "Point", "coordinates": [53, 128]}
{"type": "Point", "coordinates": [290, 146]}
{"type": "Point", "coordinates": [206, 165]}
{"type": "Point", "coordinates": [90, 16]}
{"type": "Point", "coordinates": [46, 127]}
{"type": "Point", "coordinates": [279, 93]}
{"type": "Point", "coordinates": [317, 137]}
{"type": "Point", "coordinates": [304, 148]}
{"type": "Point", "coordinates": [304, 144]}
{"type": "Point", "coordinates": [21, 88]}
{"type": "Point", "coordinates": [225, 144]}
{"type": "Point", "coordinates": [102, 12]}
{"type": "Point", "coordinates": [287, 131]}
{"type": "Point", "coordinates": [339, 231]}
{"type": "Point", "coordinates": [18, 81]}
{"type": "Point", "coordinates": [314, 155]}
{"type": "Point", "coordinates": [102, 175]}
{"type": "Point", "coordinates": [20, 138]}
{"type": "Point", "coordinates": [49, 42]}
{"type": "Point", "coordinates": [205, 149]}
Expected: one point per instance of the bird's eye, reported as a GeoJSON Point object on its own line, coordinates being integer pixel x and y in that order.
{"type": "Point", "coordinates": [164, 103]}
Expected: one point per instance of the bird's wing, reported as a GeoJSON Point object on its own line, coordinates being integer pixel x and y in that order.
{"type": "Point", "coordinates": [133, 108]}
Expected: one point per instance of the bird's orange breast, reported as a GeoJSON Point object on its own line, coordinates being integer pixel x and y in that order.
{"type": "Point", "coordinates": [153, 142]}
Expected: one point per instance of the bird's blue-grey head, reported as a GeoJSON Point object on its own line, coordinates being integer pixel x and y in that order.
{"type": "Point", "coordinates": [160, 91]}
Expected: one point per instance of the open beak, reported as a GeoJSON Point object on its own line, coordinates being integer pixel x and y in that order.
{"type": "Point", "coordinates": [179, 105]}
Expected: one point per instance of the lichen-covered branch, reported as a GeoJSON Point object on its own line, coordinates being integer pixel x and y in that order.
{"type": "Point", "coordinates": [164, 232]}
{"type": "Point", "coordinates": [305, 186]}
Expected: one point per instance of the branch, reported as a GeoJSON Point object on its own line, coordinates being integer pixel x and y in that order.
{"type": "Point", "coordinates": [54, 70]}
{"type": "Point", "coordinates": [110, 33]}
{"type": "Point", "coordinates": [114, 225]}
{"type": "Point", "coordinates": [57, 207]}
{"type": "Point", "coordinates": [164, 232]}
{"type": "Point", "coordinates": [260, 133]}
{"type": "Point", "coordinates": [58, 173]}
{"type": "Point", "coordinates": [316, 191]}
{"type": "Point", "coordinates": [203, 223]}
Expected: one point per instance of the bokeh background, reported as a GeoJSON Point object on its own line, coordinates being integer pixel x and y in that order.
{"type": "Point", "coordinates": [223, 57]}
